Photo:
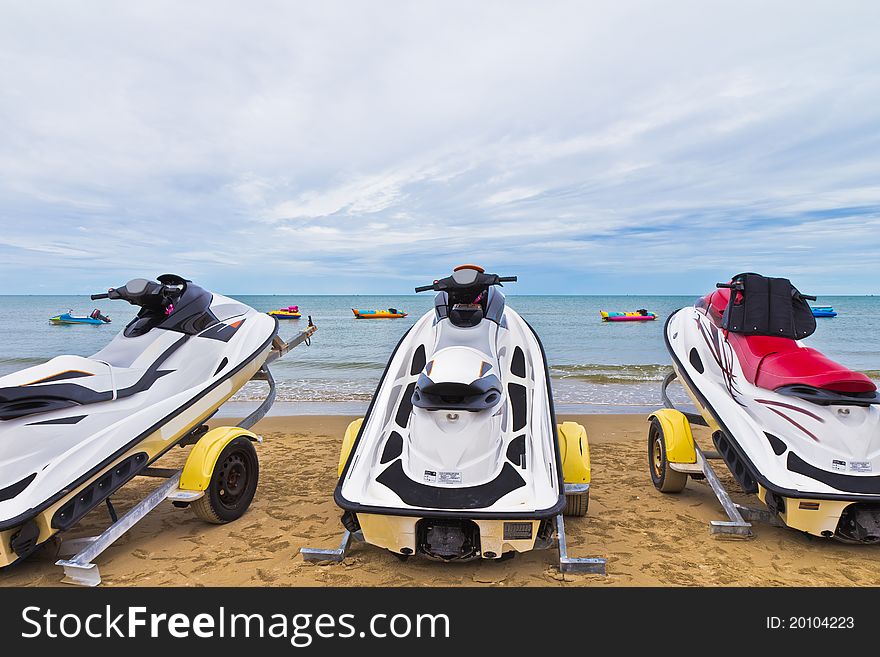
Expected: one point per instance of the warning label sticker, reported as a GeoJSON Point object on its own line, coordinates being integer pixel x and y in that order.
{"type": "Point", "coordinates": [449, 478]}
{"type": "Point", "coordinates": [838, 465]}
{"type": "Point", "coordinates": [860, 466]}
{"type": "Point", "coordinates": [430, 476]}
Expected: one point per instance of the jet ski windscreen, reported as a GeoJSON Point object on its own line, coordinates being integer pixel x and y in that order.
{"type": "Point", "coordinates": [760, 305]}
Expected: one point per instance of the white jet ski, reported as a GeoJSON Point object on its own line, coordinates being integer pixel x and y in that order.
{"type": "Point", "coordinates": [797, 429]}
{"type": "Point", "coordinates": [459, 456]}
{"type": "Point", "coordinates": [74, 429]}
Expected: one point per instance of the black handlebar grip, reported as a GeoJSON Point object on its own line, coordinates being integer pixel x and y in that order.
{"type": "Point", "coordinates": [507, 279]}
{"type": "Point", "coordinates": [728, 286]}
{"type": "Point", "coordinates": [808, 297]}
{"type": "Point", "coordinates": [95, 297]}
{"type": "Point", "coordinates": [424, 288]}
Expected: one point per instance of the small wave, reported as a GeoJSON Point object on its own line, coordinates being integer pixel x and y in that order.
{"type": "Point", "coordinates": [308, 390]}
{"type": "Point", "coordinates": [872, 374]}
{"type": "Point", "coordinates": [24, 360]}
{"type": "Point", "coordinates": [345, 365]}
{"type": "Point", "coordinates": [597, 373]}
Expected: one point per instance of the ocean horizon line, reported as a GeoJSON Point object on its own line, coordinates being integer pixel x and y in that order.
{"type": "Point", "coordinates": [412, 294]}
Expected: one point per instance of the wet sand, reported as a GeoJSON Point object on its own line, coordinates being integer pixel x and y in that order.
{"type": "Point", "coordinates": [648, 538]}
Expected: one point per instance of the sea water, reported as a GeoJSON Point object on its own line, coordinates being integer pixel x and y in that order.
{"type": "Point", "coordinates": [595, 366]}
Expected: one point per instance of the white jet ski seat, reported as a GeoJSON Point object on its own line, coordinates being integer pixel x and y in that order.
{"type": "Point", "coordinates": [441, 387]}
{"type": "Point", "coordinates": [67, 381]}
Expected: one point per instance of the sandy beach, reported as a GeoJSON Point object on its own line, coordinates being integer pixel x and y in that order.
{"type": "Point", "coordinates": [648, 538]}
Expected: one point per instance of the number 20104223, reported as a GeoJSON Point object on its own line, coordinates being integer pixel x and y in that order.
{"type": "Point", "coordinates": [810, 623]}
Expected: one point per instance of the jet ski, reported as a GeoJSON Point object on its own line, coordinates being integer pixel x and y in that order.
{"type": "Point", "coordinates": [95, 318]}
{"type": "Point", "coordinates": [75, 429]}
{"type": "Point", "coordinates": [797, 429]}
{"type": "Point", "coordinates": [459, 456]}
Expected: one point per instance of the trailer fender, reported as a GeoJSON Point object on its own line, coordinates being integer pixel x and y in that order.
{"type": "Point", "coordinates": [347, 443]}
{"type": "Point", "coordinates": [677, 435]}
{"type": "Point", "coordinates": [574, 448]}
{"type": "Point", "coordinates": [200, 463]}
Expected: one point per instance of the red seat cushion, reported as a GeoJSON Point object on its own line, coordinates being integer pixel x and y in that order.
{"type": "Point", "coordinates": [771, 362]}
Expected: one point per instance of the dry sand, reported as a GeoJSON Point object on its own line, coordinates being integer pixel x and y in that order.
{"type": "Point", "coordinates": [648, 538]}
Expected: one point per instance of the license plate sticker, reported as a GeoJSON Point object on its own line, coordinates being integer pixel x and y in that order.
{"type": "Point", "coordinates": [449, 477]}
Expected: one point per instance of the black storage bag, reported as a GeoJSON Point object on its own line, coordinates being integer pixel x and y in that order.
{"type": "Point", "coordinates": [768, 306]}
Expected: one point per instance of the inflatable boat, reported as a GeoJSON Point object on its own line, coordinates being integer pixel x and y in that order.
{"type": "Point", "coordinates": [636, 316]}
{"type": "Point", "coordinates": [391, 313]}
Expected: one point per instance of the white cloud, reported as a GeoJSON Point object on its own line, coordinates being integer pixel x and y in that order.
{"type": "Point", "coordinates": [385, 142]}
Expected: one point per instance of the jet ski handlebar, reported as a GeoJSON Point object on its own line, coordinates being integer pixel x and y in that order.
{"type": "Point", "coordinates": [738, 286]}
{"type": "Point", "coordinates": [459, 281]}
{"type": "Point", "coordinates": [144, 293]}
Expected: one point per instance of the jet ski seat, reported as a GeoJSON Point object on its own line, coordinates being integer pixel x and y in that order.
{"type": "Point", "coordinates": [479, 395]}
{"type": "Point", "coordinates": [772, 362]}
{"type": "Point", "coordinates": [68, 381]}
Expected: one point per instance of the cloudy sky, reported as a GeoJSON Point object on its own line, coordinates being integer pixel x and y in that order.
{"type": "Point", "coordinates": [292, 147]}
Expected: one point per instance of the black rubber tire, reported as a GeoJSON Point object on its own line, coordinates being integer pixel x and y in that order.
{"type": "Point", "coordinates": [664, 478]}
{"type": "Point", "coordinates": [576, 504]}
{"type": "Point", "coordinates": [233, 484]}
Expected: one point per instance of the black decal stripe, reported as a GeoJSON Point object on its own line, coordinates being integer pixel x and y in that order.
{"type": "Point", "coordinates": [11, 491]}
{"type": "Point", "coordinates": [61, 376]}
{"type": "Point", "coordinates": [73, 419]}
{"type": "Point", "coordinates": [20, 401]}
{"type": "Point", "coordinates": [405, 408]}
{"type": "Point", "coordinates": [222, 332]}
{"type": "Point", "coordinates": [516, 451]}
{"type": "Point", "coordinates": [518, 363]}
{"type": "Point", "coordinates": [31, 513]}
{"type": "Point", "coordinates": [795, 423]}
{"type": "Point", "coordinates": [792, 407]}
{"type": "Point", "coordinates": [418, 361]}
{"type": "Point", "coordinates": [517, 394]}
{"type": "Point", "coordinates": [393, 447]}
{"type": "Point", "coordinates": [849, 483]}
{"type": "Point", "coordinates": [415, 493]}
{"type": "Point", "coordinates": [776, 443]}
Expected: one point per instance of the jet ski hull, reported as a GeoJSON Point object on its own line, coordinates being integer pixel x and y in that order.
{"type": "Point", "coordinates": [813, 465]}
{"type": "Point", "coordinates": [80, 454]}
{"type": "Point", "coordinates": [509, 507]}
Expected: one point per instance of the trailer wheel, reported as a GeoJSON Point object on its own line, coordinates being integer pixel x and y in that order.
{"type": "Point", "coordinates": [233, 484]}
{"type": "Point", "coordinates": [576, 504]}
{"type": "Point", "coordinates": [664, 478]}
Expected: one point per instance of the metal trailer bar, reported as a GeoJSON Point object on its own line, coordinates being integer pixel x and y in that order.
{"type": "Point", "coordinates": [337, 555]}
{"type": "Point", "coordinates": [260, 412]}
{"type": "Point", "coordinates": [592, 565]}
{"type": "Point", "coordinates": [81, 569]}
{"type": "Point", "coordinates": [280, 347]}
{"type": "Point", "coordinates": [693, 418]}
{"type": "Point", "coordinates": [736, 526]}
{"type": "Point", "coordinates": [569, 564]}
